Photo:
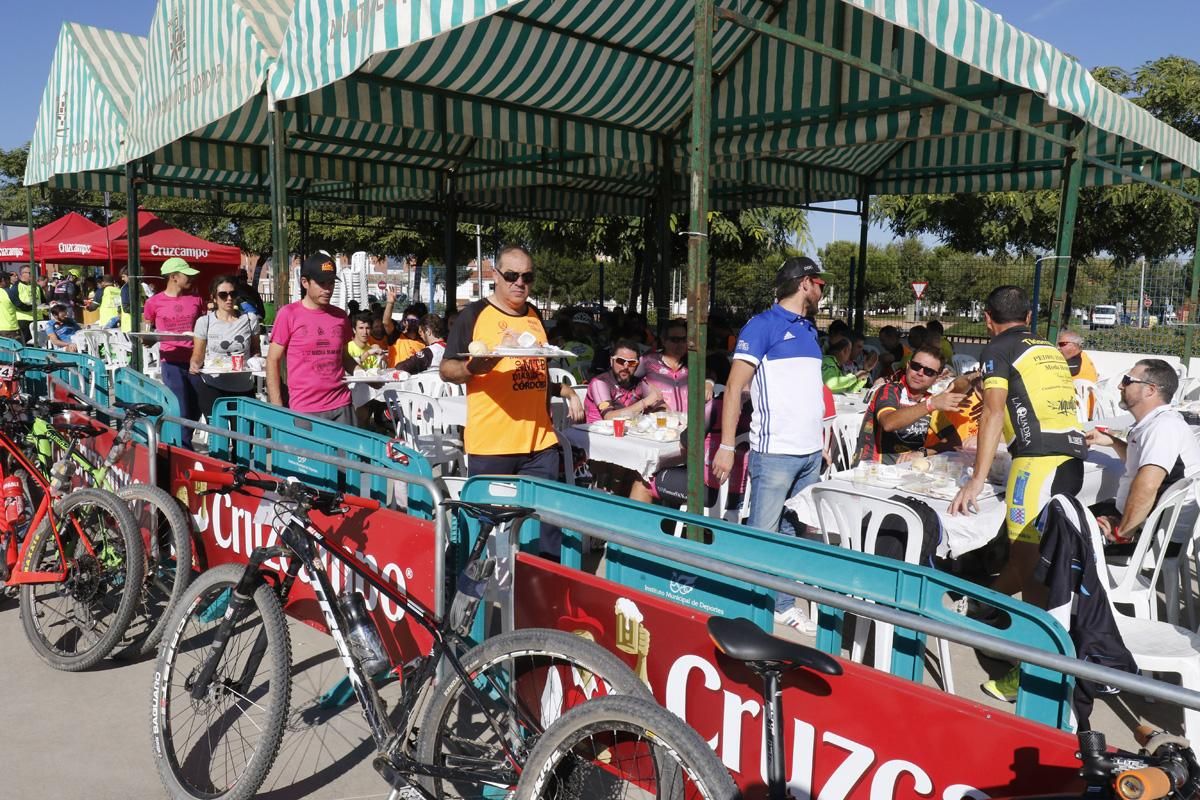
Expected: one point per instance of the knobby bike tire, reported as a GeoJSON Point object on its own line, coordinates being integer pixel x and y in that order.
{"type": "Point", "coordinates": [94, 591]}
{"type": "Point", "coordinates": [616, 747]}
{"type": "Point", "coordinates": [193, 739]}
{"type": "Point", "coordinates": [519, 658]}
{"type": "Point", "coordinates": [168, 571]}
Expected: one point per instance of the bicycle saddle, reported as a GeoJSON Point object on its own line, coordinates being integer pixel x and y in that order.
{"type": "Point", "coordinates": [487, 512]}
{"type": "Point", "coordinates": [139, 409]}
{"type": "Point", "coordinates": [742, 640]}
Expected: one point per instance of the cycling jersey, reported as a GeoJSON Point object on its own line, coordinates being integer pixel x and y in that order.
{"type": "Point", "coordinates": [1040, 415]}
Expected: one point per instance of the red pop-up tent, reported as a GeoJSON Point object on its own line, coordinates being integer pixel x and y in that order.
{"type": "Point", "coordinates": [67, 240]}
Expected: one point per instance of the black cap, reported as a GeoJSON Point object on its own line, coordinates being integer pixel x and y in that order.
{"type": "Point", "coordinates": [319, 266]}
{"type": "Point", "coordinates": [795, 268]}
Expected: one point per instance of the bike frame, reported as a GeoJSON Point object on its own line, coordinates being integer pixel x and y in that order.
{"type": "Point", "coordinates": [299, 536]}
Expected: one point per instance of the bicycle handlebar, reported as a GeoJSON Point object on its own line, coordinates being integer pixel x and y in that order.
{"type": "Point", "coordinates": [288, 488]}
{"type": "Point", "coordinates": [1146, 783]}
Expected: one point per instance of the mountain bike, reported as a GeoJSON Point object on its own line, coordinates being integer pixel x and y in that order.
{"type": "Point", "coordinates": [222, 684]}
{"type": "Point", "coordinates": [619, 747]}
{"type": "Point", "coordinates": [72, 560]}
{"type": "Point", "coordinates": [164, 525]}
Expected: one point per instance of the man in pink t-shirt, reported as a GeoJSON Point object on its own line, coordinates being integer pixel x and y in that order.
{"type": "Point", "coordinates": [175, 310]}
{"type": "Point", "coordinates": [312, 334]}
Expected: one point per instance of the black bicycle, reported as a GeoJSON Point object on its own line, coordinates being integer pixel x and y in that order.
{"type": "Point", "coordinates": [222, 684]}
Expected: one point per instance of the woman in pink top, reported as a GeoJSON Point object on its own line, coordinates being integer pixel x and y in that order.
{"type": "Point", "coordinates": [175, 310]}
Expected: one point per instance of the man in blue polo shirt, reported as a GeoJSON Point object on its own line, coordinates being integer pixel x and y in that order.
{"type": "Point", "coordinates": [778, 358]}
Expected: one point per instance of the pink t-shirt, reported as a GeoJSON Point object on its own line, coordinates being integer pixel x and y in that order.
{"type": "Point", "coordinates": [174, 315]}
{"type": "Point", "coordinates": [315, 340]}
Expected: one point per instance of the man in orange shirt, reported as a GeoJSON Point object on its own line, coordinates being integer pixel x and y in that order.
{"type": "Point", "coordinates": [508, 430]}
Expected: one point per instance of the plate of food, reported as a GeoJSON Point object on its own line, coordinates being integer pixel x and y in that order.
{"type": "Point", "coordinates": [525, 345]}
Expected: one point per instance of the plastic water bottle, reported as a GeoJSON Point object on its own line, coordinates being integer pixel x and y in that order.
{"type": "Point", "coordinates": [364, 640]}
{"type": "Point", "coordinates": [13, 492]}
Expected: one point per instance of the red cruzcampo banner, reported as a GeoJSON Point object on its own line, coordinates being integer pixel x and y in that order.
{"type": "Point", "coordinates": [398, 549]}
{"type": "Point", "coordinates": [865, 735]}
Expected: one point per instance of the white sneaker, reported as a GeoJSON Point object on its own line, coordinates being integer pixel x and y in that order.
{"type": "Point", "coordinates": [797, 620]}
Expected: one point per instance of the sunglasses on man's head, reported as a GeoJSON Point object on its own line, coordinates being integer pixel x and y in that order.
{"type": "Point", "coordinates": [921, 368]}
{"type": "Point", "coordinates": [512, 277]}
{"type": "Point", "coordinates": [625, 362]}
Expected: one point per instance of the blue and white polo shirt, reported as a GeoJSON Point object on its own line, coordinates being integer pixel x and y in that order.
{"type": "Point", "coordinates": [786, 389]}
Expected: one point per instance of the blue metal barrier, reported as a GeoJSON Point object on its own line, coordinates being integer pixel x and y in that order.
{"type": "Point", "coordinates": [255, 418]}
{"type": "Point", "coordinates": [91, 371]}
{"type": "Point", "coordinates": [132, 386]}
{"type": "Point", "coordinates": [1044, 696]}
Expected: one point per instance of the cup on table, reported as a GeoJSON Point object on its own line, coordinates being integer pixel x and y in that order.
{"type": "Point", "coordinates": [237, 362]}
{"type": "Point", "coordinates": [861, 473]}
{"type": "Point", "coordinates": [618, 427]}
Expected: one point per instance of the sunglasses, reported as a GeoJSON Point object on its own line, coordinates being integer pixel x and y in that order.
{"type": "Point", "coordinates": [924, 370]}
{"type": "Point", "coordinates": [820, 283]}
{"type": "Point", "coordinates": [1126, 380]}
{"type": "Point", "coordinates": [625, 362]}
{"type": "Point", "coordinates": [512, 277]}
{"type": "Point", "coordinates": [1064, 344]}
{"type": "Point", "coordinates": [224, 295]}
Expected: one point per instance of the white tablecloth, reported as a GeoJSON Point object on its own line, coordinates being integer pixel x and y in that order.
{"type": "Point", "coordinates": [644, 456]}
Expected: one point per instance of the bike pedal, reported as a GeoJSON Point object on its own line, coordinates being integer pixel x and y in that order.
{"type": "Point", "coordinates": [402, 788]}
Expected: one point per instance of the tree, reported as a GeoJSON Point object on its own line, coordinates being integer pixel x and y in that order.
{"type": "Point", "coordinates": [1127, 221]}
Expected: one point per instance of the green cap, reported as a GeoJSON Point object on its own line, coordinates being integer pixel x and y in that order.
{"type": "Point", "coordinates": [177, 264]}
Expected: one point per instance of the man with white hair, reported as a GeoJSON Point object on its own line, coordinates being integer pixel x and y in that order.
{"type": "Point", "coordinates": [1070, 344]}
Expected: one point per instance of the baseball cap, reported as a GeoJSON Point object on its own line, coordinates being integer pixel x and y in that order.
{"type": "Point", "coordinates": [319, 266]}
{"type": "Point", "coordinates": [795, 268]}
{"type": "Point", "coordinates": [177, 264]}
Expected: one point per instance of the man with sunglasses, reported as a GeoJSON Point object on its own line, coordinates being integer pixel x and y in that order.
{"type": "Point", "coordinates": [778, 360]}
{"type": "Point", "coordinates": [1070, 344]}
{"type": "Point", "coordinates": [618, 393]}
{"type": "Point", "coordinates": [1161, 449]}
{"type": "Point", "coordinates": [312, 335]}
{"type": "Point", "coordinates": [508, 430]}
{"type": "Point", "coordinates": [903, 413]}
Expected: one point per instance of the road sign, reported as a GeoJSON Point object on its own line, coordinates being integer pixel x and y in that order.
{"type": "Point", "coordinates": [919, 288]}
{"type": "Point", "coordinates": [382, 285]}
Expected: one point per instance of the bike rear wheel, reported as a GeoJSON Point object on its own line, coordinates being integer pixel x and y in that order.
{"type": "Point", "coordinates": [524, 679]}
{"type": "Point", "coordinates": [223, 745]}
{"type": "Point", "coordinates": [74, 623]}
{"type": "Point", "coordinates": [166, 531]}
{"type": "Point", "coordinates": [623, 747]}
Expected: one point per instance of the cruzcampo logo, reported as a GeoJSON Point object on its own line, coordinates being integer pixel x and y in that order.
{"type": "Point", "coordinates": [177, 41]}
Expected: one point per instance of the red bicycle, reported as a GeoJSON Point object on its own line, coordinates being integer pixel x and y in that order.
{"type": "Point", "coordinates": [76, 562]}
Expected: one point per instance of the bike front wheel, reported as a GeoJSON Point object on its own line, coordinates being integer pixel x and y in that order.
{"type": "Point", "coordinates": [222, 746]}
{"type": "Point", "coordinates": [166, 530]}
{"type": "Point", "coordinates": [623, 747]}
{"type": "Point", "coordinates": [523, 681]}
{"type": "Point", "coordinates": [74, 623]}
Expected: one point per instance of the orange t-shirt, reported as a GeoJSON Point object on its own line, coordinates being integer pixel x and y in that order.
{"type": "Point", "coordinates": [507, 408]}
{"type": "Point", "coordinates": [402, 349]}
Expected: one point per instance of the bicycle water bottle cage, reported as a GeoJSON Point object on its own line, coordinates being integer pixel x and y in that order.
{"type": "Point", "coordinates": [742, 640]}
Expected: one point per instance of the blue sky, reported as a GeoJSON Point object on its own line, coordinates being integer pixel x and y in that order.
{"type": "Point", "coordinates": [1114, 32]}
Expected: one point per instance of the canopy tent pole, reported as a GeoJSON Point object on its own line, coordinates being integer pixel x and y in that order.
{"type": "Point", "coordinates": [1068, 205]}
{"type": "Point", "coordinates": [451, 277]}
{"type": "Point", "coordinates": [304, 226]}
{"type": "Point", "coordinates": [1189, 336]}
{"type": "Point", "coordinates": [33, 268]}
{"type": "Point", "coordinates": [281, 256]}
{"type": "Point", "coordinates": [697, 320]}
{"type": "Point", "coordinates": [133, 261]}
{"type": "Point", "coordinates": [860, 287]}
{"type": "Point", "coordinates": [664, 262]}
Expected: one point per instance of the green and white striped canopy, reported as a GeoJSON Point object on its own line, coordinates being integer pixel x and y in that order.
{"type": "Point", "coordinates": [555, 108]}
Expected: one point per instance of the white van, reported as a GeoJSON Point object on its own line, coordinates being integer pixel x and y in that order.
{"type": "Point", "coordinates": [1104, 316]}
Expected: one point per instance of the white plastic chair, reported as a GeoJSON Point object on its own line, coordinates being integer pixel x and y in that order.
{"type": "Point", "coordinates": [418, 420]}
{"type": "Point", "coordinates": [560, 375]}
{"type": "Point", "coordinates": [840, 448]}
{"type": "Point", "coordinates": [719, 509]}
{"type": "Point", "coordinates": [1155, 646]}
{"type": "Point", "coordinates": [1135, 582]}
{"type": "Point", "coordinates": [1087, 399]}
{"type": "Point", "coordinates": [842, 513]}
{"type": "Point", "coordinates": [964, 363]}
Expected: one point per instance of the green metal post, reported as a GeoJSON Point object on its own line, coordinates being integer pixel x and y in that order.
{"type": "Point", "coordinates": [1068, 204]}
{"type": "Point", "coordinates": [133, 262]}
{"type": "Point", "coordinates": [33, 266]}
{"type": "Point", "coordinates": [665, 247]}
{"type": "Point", "coordinates": [860, 287]}
{"type": "Point", "coordinates": [697, 319]}
{"type": "Point", "coordinates": [281, 253]}
{"type": "Point", "coordinates": [1189, 338]}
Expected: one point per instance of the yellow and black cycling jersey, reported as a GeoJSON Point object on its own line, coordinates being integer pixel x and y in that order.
{"type": "Point", "coordinates": [1040, 415]}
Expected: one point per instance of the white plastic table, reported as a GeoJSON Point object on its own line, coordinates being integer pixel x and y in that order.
{"type": "Point", "coordinates": [642, 454]}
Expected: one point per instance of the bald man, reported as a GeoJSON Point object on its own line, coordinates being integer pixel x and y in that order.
{"type": "Point", "coordinates": [1070, 344]}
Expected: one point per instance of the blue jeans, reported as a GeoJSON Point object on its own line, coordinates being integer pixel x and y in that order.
{"type": "Point", "coordinates": [773, 479]}
{"type": "Point", "coordinates": [182, 384]}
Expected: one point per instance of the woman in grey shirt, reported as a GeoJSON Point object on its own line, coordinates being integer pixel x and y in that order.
{"type": "Point", "coordinates": [220, 334]}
